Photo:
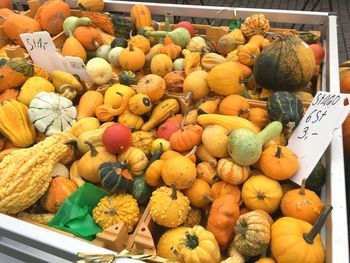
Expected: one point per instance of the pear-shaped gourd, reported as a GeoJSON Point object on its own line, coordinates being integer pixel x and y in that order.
{"type": "Point", "coordinates": [72, 47]}
{"type": "Point", "coordinates": [66, 84]}
{"type": "Point", "coordinates": [180, 36]}
{"type": "Point", "coordinates": [72, 22]}
{"type": "Point", "coordinates": [245, 146]}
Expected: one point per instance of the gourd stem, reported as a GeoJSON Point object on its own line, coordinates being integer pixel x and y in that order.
{"type": "Point", "coordinates": [191, 241]}
{"type": "Point", "coordinates": [131, 47]}
{"type": "Point", "coordinates": [302, 188]}
{"type": "Point", "coordinates": [183, 122]}
{"type": "Point", "coordinates": [74, 145]}
{"type": "Point", "coordinates": [279, 152]}
{"type": "Point", "coordinates": [208, 198]}
{"type": "Point", "coordinates": [260, 196]}
{"type": "Point", "coordinates": [241, 230]}
{"type": "Point", "coordinates": [92, 149]}
{"type": "Point", "coordinates": [310, 236]}
{"type": "Point", "coordinates": [193, 151]}
{"type": "Point", "coordinates": [241, 112]}
{"type": "Point", "coordinates": [174, 250]}
{"type": "Point", "coordinates": [173, 193]}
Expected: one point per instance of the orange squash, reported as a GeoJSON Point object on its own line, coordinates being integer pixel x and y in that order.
{"type": "Point", "coordinates": [72, 47]}
{"type": "Point", "coordinates": [223, 216]}
{"type": "Point", "coordinates": [248, 53]}
{"type": "Point", "coordinates": [140, 42]}
{"type": "Point", "coordinates": [140, 16]}
{"type": "Point", "coordinates": [259, 117]}
{"type": "Point", "coordinates": [231, 172]}
{"type": "Point", "coordinates": [151, 85]}
{"type": "Point", "coordinates": [154, 173]}
{"type": "Point", "coordinates": [89, 37]}
{"type": "Point", "coordinates": [60, 188]}
{"type": "Point", "coordinates": [221, 188]}
{"type": "Point", "coordinates": [257, 40]}
{"type": "Point", "coordinates": [51, 16]}
{"type": "Point", "coordinates": [199, 193]}
{"type": "Point", "coordinates": [186, 138]}
{"type": "Point", "coordinates": [88, 103]}
{"type": "Point", "coordinates": [161, 65]}
{"type": "Point", "coordinates": [235, 105]}
{"type": "Point", "coordinates": [17, 24]}
{"type": "Point", "coordinates": [174, 81]}
{"type": "Point", "coordinates": [132, 58]}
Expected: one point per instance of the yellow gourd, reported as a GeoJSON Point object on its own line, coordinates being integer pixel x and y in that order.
{"type": "Point", "coordinates": [33, 86]}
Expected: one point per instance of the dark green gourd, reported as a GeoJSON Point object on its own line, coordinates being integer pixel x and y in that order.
{"type": "Point", "coordinates": [115, 177]}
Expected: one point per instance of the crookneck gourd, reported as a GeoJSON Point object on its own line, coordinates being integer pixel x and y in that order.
{"type": "Point", "coordinates": [26, 173]}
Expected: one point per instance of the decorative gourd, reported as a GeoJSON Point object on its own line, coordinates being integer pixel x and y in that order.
{"type": "Point", "coordinates": [154, 173]}
{"type": "Point", "coordinates": [234, 256]}
{"type": "Point", "coordinates": [161, 112]}
{"type": "Point", "coordinates": [247, 71]}
{"type": "Point", "coordinates": [127, 77]}
{"type": "Point", "coordinates": [223, 215]}
{"type": "Point", "coordinates": [9, 94]}
{"type": "Point", "coordinates": [88, 102]}
{"type": "Point", "coordinates": [179, 170]}
{"type": "Point", "coordinates": [161, 64]}
{"type": "Point", "coordinates": [209, 106]}
{"type": "Point", "coordinates": [196, 44]}
{"type": "Point", "coordinates": [15, 124]}
{"type": "Point", "coordinates": [192, 61]}
{"type": "Point", "coordinates": [160, 144]}
{"type": "Point", "coordinates": [231, 172]}
{"type": "Point", "coordinates": [15, 72]}
{"type": "Point", "coordinates": [88, 165]}
{"type": "Point", "coordinates": [143, 141]}
{"type": "Point", "coordinates": [93, 136]}
{"type": "Point", "coordinates": [133, 121]}
{"type": "Point", "coordinates": [278, 162]}
{"type": "Point", "coordinates": [151, 85]}
{"type": "Point", "coordinates": [132, 58]}
{"type": "Point", "coordinates": [140, 42]}
{"type": "Point", "coordinates": [167, 129]}
{"type": "Point", "coordinates": [135, 158]}
{"type": "Point", "coordinates": [204, 155]}
{"type": "Point", "coordinates": [210, 60]}
{"type": "Point", "coordinates": [168, 206]}
{"type": "Point", "coordinates": [230, 42]}
{"type": "Point", "coordinates": [196, 84]}
{"type": "Point", "coordinates": [140, 104]}
{"type": "Point", "coordinates": [180, 36]}
{"type": "Point", "coordinates": [32, 87]}
{"type": "Point", "coordinates": [179, 64]}
{"type": "Point", "coordinates": [140, 16]}
{"type": "Point", "coordinates": [257, 40]}
{"type": "Point", "coordinates": [72, 22]}
{"type": "Point", "coordinates": [60, 188]}
{"type": "Point", "coordinates": [113, 56]}
{"type": "Point", "coordinates": [261, 192]}
{"type": "Point", "coordinates": [116, 209]}
{"type": "Point", "coordinates": [94, 5]}
{"type": "Point", "coordinates": [221, 188]}
{"type": "Point", "coordinates": [259, 117]}
{"type": "Point", "coordinates": [245, 146]}
{"type": "Point", "coordinates": [72, 47]}
{"type": "Point", "coordinates": [317, 178]}
{"type": "Point", "coordinates": [169, 239]}
{"type": "Point", "coordinates": [17, 24]}
{"type": "Point", "coordinates": [119, 42]}
{"type": "Point", "coordinates": [198, 245]}
{"type": "Point", "coordinates": [294, 240]}
{"type": "Point", "coordinates": [51, 113]}
{"type": "Point", "coordinates": [26, 173]}
{"type": "Point", "coordinates": [193, 218]}
{"type": "Point", "coordinates": [170, 49]}
{"type": "Point", "coordinates": [286, 64]}
{"type": "Point", "coordinates": [86, 124]}
{"type": "Point", "coordinates": [235, 105]}
{"type": "Point", "coordinates": [248, 53]}
{"type": "Point", "coordinates": [207, 173]}
{"type": "Point", "coordinates": [103, 51]}
{"type": "Point", "coordinates": [218, 134]}
{"type": "Point", "coordinates": [89, 37]}
{"type": "Point", "coordinates": [191, 117]}
{"type": "Point", "coordinates": [225, 79]}
{"type": "Point", "coordinates": [199, 193]}
{"type": "Point", "coordinates": [186, 138]}
{"type": "Point", "coordinates": [115, 177]}
{"type": "Point", "coordinates": [51, 16]}
{"type": "Point", "coordinates": [174, 81]}
{"type": "Point", "coordinates": [286, 108]}
{"type": "Point", "coordinates": [66, 84]}
{"type": "Point", "coordinates": [252, 233]}
{"type": "Point", "coordinates": [99, 70]}
{"type": "Point", "coordinates": [302, 204]}
{"type": "Point", "coordinates": [232, 56]}
{"type": "Point", "coordinates": [74, 174]}
{"type": "Point", "coordinates": [255, 24]}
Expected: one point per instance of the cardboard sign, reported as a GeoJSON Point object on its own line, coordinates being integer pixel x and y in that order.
{"type": "Point", "coordinates": [311, 138]}
{"type": "Point", "coordinates": [43, 53]}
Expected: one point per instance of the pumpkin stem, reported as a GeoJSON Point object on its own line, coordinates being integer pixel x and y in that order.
{"type": "Point", "coordinates": [111, 212]}
{"type": "Point", "coordinates": [208, 198]}
{"type": "Point", "coordinates": [260, 196]}
{"type": "Point", "coordinates": [173, 191]}
{"type": "Point", "coordinates": [302, 188]}
{"type": "Point", "coordinates": [131, 47]}
{"type": "Point", "coordinates": [74, 144]}
{"type": "Point", "coordinates": [241, 230]}
{"type": "Point", "coordinates": [191, 241]}
{"type": "Point", "coordinates": [92, 149]}
{"type": "Point", "coordinates": [174, 250]}
{"type": "Point", "coordinates": [193, 151]}
{"type": "Point", "coordinates": [241, 112]}
{"type": "Point", "coordinates": [310, 236]}
{"type": "Point", "coordinates": [189, 96]}
{"type": "Point", "coordinates": [67, 91]}
{"type": "Point", "coordinates": [183, 122]}
{"type": "Point", "coordinates": [279, 152]}
{"type": "Point", "coordinates": [95, 43]}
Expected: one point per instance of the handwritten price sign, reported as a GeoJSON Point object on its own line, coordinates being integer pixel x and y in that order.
{"type": "Point", "coordinates": [311, 138]}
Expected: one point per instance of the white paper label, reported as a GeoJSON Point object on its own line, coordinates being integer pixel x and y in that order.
{"type": "Point", "coordinates": [43, 53]}
{"type": "Point", "coordinates": [311, 138]}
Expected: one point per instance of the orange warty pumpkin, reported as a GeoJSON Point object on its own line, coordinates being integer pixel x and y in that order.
{"type": "Point", "coordinates": [89, 37]}
{"type": "Point", "coordinates": [175, 81]}
{"type": "Point", "coordinates": [235, 105]}
{"type": "Point", "coordinates": [151, 85]}
{"type": "Point", "coordinates": [186, 138]}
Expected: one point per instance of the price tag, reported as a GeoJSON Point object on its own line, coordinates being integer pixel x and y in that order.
{"type": "Point", "coordinates": [311, 138]}
{"type": "Point", "coordinates": [43, 53]}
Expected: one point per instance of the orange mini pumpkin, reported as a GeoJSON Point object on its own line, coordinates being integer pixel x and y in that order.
{"type": "Point", "coordinates": [132, 58]}
{"type": "Point", "coordinates": [235, 105]}
{"type": "Point", "coordinates": [186, 138]}
{"type": "Point", "coordinates": [221, 188]}
{"type": "Point", "coordinates": [89, 37]}
{"type": "Point", "coordinates": [259, 117]}
{"type": "Point", "coordinates": [199, 193]}
{"type": "Point", "coordinates": [161, 65]}
{"type": "Point", "coordinates": [140, 42]}
{"type": "Point", "coordinates": [248, 53]}
{"type": "Point", "coordinates": [278, 162]}
{"type": "Point", "coordinates": [151, 85]}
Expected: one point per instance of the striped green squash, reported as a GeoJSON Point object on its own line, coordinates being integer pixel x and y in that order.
{"type": "Point", "coordinates": [115, 177]}
{"type": "Point", "coordinates": [285, 107]}
{"type": "Point", "coordinates": [127, 77]}
{"type": "Point", "coordinates": [286, 64]}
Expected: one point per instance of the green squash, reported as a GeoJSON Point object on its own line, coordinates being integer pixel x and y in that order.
{"type": "Point", "coordinates": [285, 107]}
{"type": "Point", "coordinates": [317, 178]}
{"type": "Point", "coordinates": [115, 177]}
{"type": "Point", "coordinates": [245, 146]}
{"type": "Point", "coordinates": [119, 42]}
{"type": "Point", "coordinates": [127, 77]}
{"type": "Point", "coordinates": [286, 64]}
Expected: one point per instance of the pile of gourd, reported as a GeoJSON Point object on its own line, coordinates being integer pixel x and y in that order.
{"type": "Point", "coordinates": [176, 134]}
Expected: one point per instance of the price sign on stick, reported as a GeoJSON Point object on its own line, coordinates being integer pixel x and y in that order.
{"type": "Point", "coordinates": [43, 52]}
{"type": "Point", "coordinates": [311, 138]}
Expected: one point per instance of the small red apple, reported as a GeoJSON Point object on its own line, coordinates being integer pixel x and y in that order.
{"type": "Point", "coordinates": [318, 52]}
{"type": "Point", "coordinates": [167, 129]}
{"type": "Point", "coordinates": [116, 138]}
{"type": "Point", "coordinates": [188, 26]}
